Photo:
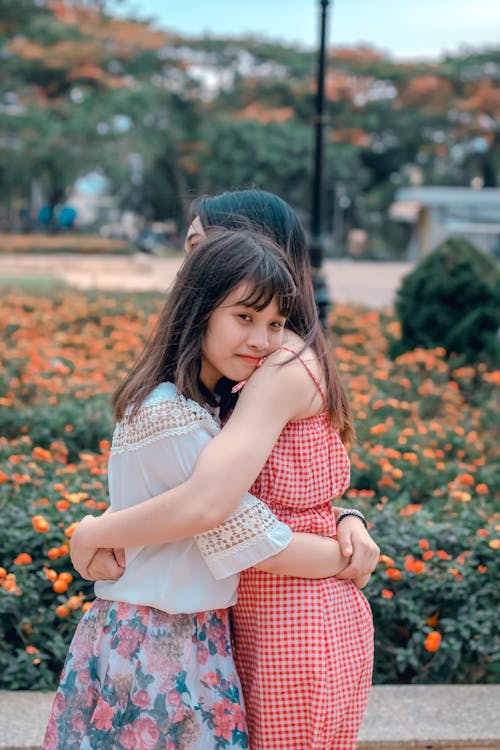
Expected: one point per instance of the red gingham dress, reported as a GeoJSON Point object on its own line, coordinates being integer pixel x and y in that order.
{"type": "Point", "coordinates": [303, 648]}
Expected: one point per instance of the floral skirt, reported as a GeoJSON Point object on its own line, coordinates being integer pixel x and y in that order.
{"type": "Point", "coordinates": [137, 678]}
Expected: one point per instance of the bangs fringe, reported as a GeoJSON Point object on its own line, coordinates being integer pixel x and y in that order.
{"type": "Point", "coordinates": [270, 285]}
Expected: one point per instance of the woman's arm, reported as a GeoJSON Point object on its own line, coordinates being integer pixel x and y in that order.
{"type": "Point", "coordinates": [357, 545]}
{"type": "Point", "coordinates": [226, 468]}
{"type": "Point", "coordinates": [307, 556]}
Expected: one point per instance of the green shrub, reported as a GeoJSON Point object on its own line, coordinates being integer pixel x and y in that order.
{"type": "Point", "coordinates": [83, 423]}
{"type": "Point", "coordinates": [435, 577]}
{"type": "Point", "coordinates": [452, 300]}
{"type": "Point", "coordinates": [41, 596]}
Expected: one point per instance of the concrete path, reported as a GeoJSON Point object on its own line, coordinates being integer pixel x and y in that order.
{"type": "Point", "coordinates": [417, 717]}
{"type": "Point", "coordinates": [365, 283]}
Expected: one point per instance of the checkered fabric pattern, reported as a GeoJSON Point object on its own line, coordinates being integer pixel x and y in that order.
{"type": "Point", "coordinates": [303, 649]}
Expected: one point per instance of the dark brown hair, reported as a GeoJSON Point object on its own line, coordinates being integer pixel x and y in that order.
{"type": "Point", "coordinates": [268, 214]}
{"type": "Point", "coordinates": [222, 261]}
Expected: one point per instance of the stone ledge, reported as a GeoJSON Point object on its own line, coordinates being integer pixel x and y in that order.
{"type": "Point", "coordinates": [409, 717]}
{"type": "Point", "coordinates": [432, 716]}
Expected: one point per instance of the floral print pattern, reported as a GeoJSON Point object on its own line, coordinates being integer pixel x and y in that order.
{"type": "Point", "coordinates": [137, 678]}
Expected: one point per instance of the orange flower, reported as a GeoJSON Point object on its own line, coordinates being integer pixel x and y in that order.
{"type": "Point", "coordinates": [412, 565]}
{"type": "Point", "coordinates": [378, 429]}
{"type": "Point", "coordinates": [60, 586]}
{"type": "Point", "coordinates": [482, 489]}
{"type": "Point", "coordinates": [3, 572]}
{"type": "Point", "coordinates": [3, 477]}
{"type": "Point", "coordinates": [432, 641]}
{"type": "Point", "coordinates": [76, 497]}
{"type": "Point", "coordinates": [387, 593]}
{"type": "Point", "coordinates": [482, 568]}
{"type": "Point", "coordinates": [394, 574]}
{"type": "Point", "coordinates": [31, 650]}
{"type": "Point", "coordinates": [494, 544]}
{"type": "Point", "coordinates": [62, 505]}
{"type": "Point", "coordinates": [41, 454]}
{"type": "Point", "coordinates": [71, 528]}
{"type": "Point", "coordinates": [433, 620]}
{"type": "Point", "coordinates": [411, 457]}
{"type": "Point", "coordinates": [387, 560]}
{"type": "Point", "coordinates": [465, 479]}
{"type": "Point", "coordinates": [410, 509]}
{"type": "Point", "coordinates": [423, 544]}
{"type": "Point", "coordinates": [386, 482]}
{"type": "Point", "coordinates": [40, 524]}
{"type": "Point", "coordinates": [23, 559]}
{"type": "Point", "coordinates": [443, 555]}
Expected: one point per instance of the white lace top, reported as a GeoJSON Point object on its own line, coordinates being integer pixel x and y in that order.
{"type": "Point", "coordinates": [151, 453]}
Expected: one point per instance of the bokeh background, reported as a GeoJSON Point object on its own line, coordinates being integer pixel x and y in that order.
{"type": "Point", "coordinates": [113, 116]}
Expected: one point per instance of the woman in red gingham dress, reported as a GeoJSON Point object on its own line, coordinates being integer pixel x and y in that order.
{"type": "Point", "coordinates": [303, 648]}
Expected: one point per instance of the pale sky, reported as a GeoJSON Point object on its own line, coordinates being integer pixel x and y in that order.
{"type": "Point", "coordinates": [406, 29]}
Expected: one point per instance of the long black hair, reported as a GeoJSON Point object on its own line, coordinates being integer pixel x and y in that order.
{"type": "Point", "coordinates": [222, 261]}
{"type": "Point", "coordinates": [270, 215]}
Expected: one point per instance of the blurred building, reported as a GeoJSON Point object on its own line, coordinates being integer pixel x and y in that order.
{"type": "Point", "coordinates": [437, 213]}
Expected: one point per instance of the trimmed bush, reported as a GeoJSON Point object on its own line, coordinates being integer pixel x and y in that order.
{"type": "Point", "coordinates": [451, 300]}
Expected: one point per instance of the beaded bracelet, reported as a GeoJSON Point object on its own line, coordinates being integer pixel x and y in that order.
{"type": "Point", "coordinates": [352, 512]}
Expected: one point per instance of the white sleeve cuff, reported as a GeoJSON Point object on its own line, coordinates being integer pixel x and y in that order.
{"type": "Point", "coordinates": [250, 535]}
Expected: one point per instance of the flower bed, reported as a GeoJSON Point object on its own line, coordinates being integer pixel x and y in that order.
{"type": "Point", "coordinates": [63, 243]}
{"type": "Point", "coordinates": [423, 471]}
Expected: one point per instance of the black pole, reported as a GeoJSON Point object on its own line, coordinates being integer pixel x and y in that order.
{"type": "Point", "coordinates": [317, 245]}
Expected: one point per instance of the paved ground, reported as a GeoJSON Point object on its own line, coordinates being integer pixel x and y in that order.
{"type": "Point", "coordinates": [370, 284]}
{"type": "Point", "coordinates": [409, 717]}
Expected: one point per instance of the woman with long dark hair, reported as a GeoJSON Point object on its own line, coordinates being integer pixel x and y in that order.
{"type": "Point", "coordinates": [304, 648]}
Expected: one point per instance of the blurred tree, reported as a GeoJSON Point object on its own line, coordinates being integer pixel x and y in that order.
{"type": "Point", "coordinates": [166, 117]}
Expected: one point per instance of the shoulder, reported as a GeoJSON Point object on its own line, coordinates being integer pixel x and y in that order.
{"type": "Point", "coordinates": [283, 386]}
{"type": "Point", "coordinates": [296, 362]}
{"type": "Point", "coordinates": [164, 413]}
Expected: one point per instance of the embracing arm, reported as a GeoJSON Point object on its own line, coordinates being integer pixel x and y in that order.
{"type": "Point", "coordinates": [307, 556]}
{"type": "Point", "coordinates": [225, 470]}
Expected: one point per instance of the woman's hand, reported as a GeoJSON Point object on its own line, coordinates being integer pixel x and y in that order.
{"type": "Point", "coordinates": [82, 548]}
{"type": "Point", "coordinates": [356, 543]}
{"type": "Point", "coordinates": [107, 565]}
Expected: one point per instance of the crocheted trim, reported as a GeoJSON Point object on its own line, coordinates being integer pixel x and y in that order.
{"type": "Point", "coordinates": [164, 414]}
{"type": "Point", "coordinates": [251, 522]}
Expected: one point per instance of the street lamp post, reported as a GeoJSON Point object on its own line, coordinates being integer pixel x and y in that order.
{"type": "Point", "coordinates": [317, 244]}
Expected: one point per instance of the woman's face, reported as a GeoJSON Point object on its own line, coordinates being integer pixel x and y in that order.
{"type": "Point", "coordinates": [238, 337]}
{"type": "Point", "coordinates": [195, 234]}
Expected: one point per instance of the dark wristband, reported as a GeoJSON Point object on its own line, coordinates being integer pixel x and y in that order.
{"type": "Point", "coordinates": [352, 512]}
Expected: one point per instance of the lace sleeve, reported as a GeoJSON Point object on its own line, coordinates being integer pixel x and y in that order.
{"type": "Point", "coordinates": [251, 534]}
{"type": "Point", "coordinates": [164, 415]}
